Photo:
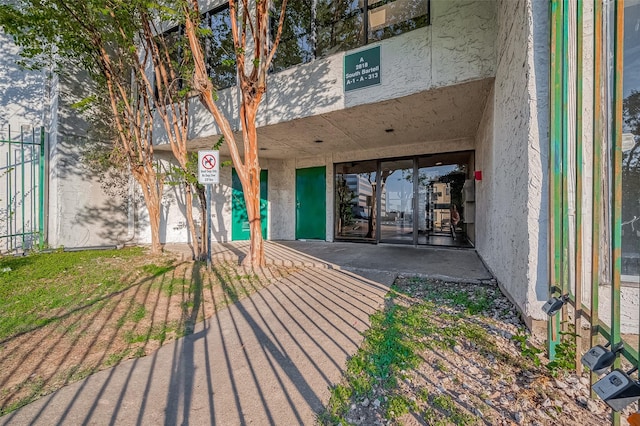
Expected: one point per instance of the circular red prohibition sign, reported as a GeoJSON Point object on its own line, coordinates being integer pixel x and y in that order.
{"type": "Point", "coordinates": [208, 161]}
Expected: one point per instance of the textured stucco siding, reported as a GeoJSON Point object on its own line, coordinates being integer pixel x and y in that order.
{"type": "Point", "coordinates": [82, 210]}
{"type": "Point", "coordinates": [457, 47]}
{"type": "Point", "coordinates": [512, 210]}
{"type": "Point", "coordinates": [79, 212]}
{"type": "Point", "coordinates": [23, 94]}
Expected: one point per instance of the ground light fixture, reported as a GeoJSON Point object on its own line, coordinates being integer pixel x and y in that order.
{"type": "Point", "coordinates": [599, 358]}
{"type": "Point", "coordinates": [554, 304]}
{"type": "Point", "coordinates": [617, 389]}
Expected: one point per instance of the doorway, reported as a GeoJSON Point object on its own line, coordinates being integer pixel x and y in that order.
{"type": "Point", "coordinates": [311, 203]}
{"type": "Point", "coordinates": [424, 200]}
{"type": "Point", "coordinates": [239, 218]}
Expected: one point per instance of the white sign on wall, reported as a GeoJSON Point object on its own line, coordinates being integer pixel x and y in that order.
{"type": "Point", "coordinates": [208, 167]}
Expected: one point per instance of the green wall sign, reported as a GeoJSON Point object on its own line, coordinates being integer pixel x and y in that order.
{"type": "Point", "coordinates": [362, 69]}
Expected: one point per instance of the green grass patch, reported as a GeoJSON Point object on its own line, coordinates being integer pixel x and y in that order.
{"type": "Point", "coordinates": [37, 289]}
{"type": "Point", "coordinates": [114, 359]}
{"type": "Point", "coordinates": [157, 270]}
{"type": "Point", "coordinates": [158, 332]}
{"type": "Point", "coordinates": [390, 345]}
{"type": "Point", "coordinates": [35, 390]}
{"type": "Point", "coordinates": [437, 319]}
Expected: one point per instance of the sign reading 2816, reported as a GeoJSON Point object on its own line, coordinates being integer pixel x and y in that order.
{"type": "Point", "coordinates": [362, 69]}
{"type": "Point", "coordinates": [208, 167]}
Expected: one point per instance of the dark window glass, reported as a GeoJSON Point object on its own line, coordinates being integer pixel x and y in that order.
{"type": "Point", "coordinates": [339, 25]}
{"type": "Point", "coordinates": [173, 40]}
{"type": "Point", "coordinates": [390, 18]}
{"type": "Point", "coordinates": [218, 48]}
{"type": "Point", "coordinates": [296, 44]}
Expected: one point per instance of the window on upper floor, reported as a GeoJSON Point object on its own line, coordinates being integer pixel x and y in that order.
{"type": "Point", "coordinates": [173, 40]}
{"type": "Point", "coordinates": [218, 48]}
{"type": "Point", "coordinates": [338, 25]}
{"type": "Point", "coordinates": [296, 41]}
{"type": "Point", "coordinates": [390, 18]}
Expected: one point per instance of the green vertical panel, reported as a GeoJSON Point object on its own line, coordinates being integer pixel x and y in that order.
{"type": "Point", "coordinates": [311, 203]}
{"type": "Point", "coordinates": [579, 186]}
{"type": "Point", "coordinates": [41, 189]}
{"type": "Point", "coordinates": [598, 123]}
{"type": "Point", "coordinates": [566, 16]}
{"type": "Point", "coordinates": [616, 203]}
{"type": "Point", "coordinates": [555, 169]}
{"type": "Point", "coordinates": [239, 219]}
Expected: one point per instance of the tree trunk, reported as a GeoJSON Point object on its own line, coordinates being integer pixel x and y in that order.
{"type": "Point", "coordinates": [251, 187]}
{"type": "Point", "coordinates": [152, 193]}
{"type": "Point", "coordinates": [197, 253]}
{"type": "Point", "coordinates": [204, 231]}
{"type": "Point", "coordinates": [252, 200]}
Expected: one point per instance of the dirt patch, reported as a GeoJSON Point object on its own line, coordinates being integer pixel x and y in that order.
{"type": "Point", "coordinates": [474, 369]}
{"type": "Point", "coordinates": [165, 300]}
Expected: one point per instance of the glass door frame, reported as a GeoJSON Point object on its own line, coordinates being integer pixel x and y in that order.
{"type": "Point", "coordinates": [414, 202]}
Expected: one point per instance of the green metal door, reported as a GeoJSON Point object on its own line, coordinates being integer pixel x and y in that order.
{"type": "Point", "coordinates": [311, 203]}
{"type": "Point", "coordinates": [239, 218]}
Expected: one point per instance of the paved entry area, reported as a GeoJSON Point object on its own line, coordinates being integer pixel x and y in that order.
{"type": "Point", "coordinates": [383, 262]}
{"type": "Point", "coordinates": [268, 359]}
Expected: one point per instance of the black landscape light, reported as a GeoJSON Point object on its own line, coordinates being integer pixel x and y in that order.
{"type": "Point", "coordinates": [598, 359]}
{"type": "Point", "coordinates": [554, 304]}
{"type": "Point", "coordinates": [617, 389]}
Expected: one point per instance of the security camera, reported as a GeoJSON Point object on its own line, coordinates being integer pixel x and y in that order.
{"type": "Point", "coordinates": [554, 304]}
{"type": "Point", "coordinates": [598, 359]}
{"type": "Point", "coordinates": [617, 390]}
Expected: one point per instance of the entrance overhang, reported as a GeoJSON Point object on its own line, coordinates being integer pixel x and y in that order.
{"type": "Point", "coordinates": [447, 113]}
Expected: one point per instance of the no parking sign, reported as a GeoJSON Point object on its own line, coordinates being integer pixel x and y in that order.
{"type": "Point", "coordinates": [208, 167]}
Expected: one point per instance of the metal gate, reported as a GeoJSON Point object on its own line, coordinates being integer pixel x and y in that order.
{"type": "Point", "coordinates": [22, 189]}
{"type": "Point", "coordinates": [594, 235]}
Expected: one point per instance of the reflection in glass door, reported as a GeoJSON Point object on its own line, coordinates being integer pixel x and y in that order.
{"type": "Point", "coordinates": [441, 205]}
{"type": "Point", "coordinates": [419, 200]}
{"type": "Point", "coordinates": [355, 200]}
{"type": "Point", "coordinates": [396, 201]}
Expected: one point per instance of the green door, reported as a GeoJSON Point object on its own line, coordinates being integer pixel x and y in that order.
{"type": "Point", "coordinates": [239, 217]}
{"type": "Point", "coordinates": [311, 203]}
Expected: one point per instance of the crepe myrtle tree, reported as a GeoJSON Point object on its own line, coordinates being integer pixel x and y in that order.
{"type": "Point", "coordinates": [115, 42]}
{"type": "Point", "coordinates": [254, 49]}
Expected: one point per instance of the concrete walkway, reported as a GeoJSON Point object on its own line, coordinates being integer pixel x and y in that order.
{"type": "Point", "coordinates": [269, 359]}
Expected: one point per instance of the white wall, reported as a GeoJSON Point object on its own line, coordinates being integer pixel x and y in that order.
{"type": "Point", "coordinates": [512, 143]}
{"type": "Point", "coordinates": [457, 47]}
{"type": "Point", "coordinates": [22, 93]}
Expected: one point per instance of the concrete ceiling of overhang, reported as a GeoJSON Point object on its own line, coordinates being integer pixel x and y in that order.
{"type": "Point", "coordinates": [446, 113]}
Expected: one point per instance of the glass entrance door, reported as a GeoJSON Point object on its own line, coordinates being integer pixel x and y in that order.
{"type": "Point", "coordinates": [443, 210]}
{"type": "Point", "coordinates": [424, 200]}
{"type": "Point", "coordinates": [396, 201]}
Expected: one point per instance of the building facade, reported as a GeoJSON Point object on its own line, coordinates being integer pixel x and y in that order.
{"type": "Point", "coordinates": [380, 119]}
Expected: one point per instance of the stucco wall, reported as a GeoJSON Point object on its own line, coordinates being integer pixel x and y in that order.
{"type": "Point", "coordinates": [86, 207]}
{"type": "Point", "coordinates": [22, 112]}
{"type": "Point", "coordinates": [22, 93]}
{"type": "Point", "coordinates": [457, 47]}
{"type": "Point", "coordinates": [512, 210]}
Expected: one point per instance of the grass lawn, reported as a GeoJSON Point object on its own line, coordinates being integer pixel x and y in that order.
{"type": "Point", "coordinates": [452, 354]}
{"type": "Point", "coordinates": [37, 289]}
{"type": "Point", "coordinates": [64, 316]}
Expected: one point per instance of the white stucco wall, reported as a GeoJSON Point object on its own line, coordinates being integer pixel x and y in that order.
{"type": "Point", "coordinates": [458, 46]}
{"type": "Point", "coordinates": [512, 206]}
{"type": "Point", "coordinates": [82, 210]}
{"type": "Point", "coordinates": [22, 93]}
{"type": "Point", "coordinates": [23, 110]}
